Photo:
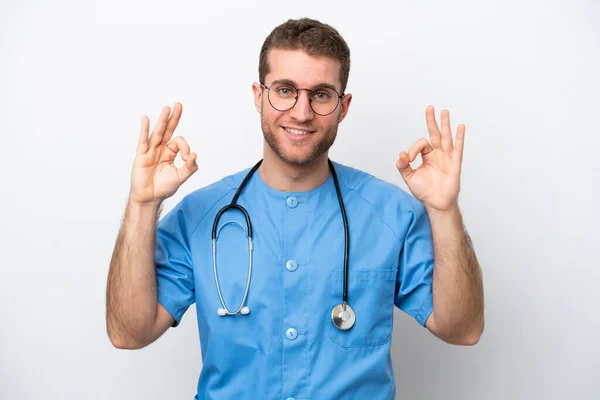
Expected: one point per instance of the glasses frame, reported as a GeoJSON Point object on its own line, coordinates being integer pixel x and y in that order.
{"type": "Point", "coordinates": [309, 98]}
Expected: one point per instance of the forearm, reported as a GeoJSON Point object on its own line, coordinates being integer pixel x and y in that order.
{"type": "Point", "coordinates": [131, 299]}
{"type": "Point", "coordinates": [457, 280]}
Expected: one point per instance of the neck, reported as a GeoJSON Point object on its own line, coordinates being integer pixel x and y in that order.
{"type": "Point", "coordinates": [285, 177]}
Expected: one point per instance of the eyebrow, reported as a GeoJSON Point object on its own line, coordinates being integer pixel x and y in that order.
{"type": "Point", "coordinates": [320, 85]}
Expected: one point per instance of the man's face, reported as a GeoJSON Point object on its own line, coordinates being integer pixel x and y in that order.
{"type": "Point", "coordinates": [318, 132]}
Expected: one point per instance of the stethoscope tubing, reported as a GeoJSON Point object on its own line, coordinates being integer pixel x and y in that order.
{"type": "Point", "coordinates": [233, 205]}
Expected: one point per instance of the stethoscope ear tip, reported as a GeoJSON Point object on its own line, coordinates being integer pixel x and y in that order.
{"type": "Point", "coordinates": [222, 312]}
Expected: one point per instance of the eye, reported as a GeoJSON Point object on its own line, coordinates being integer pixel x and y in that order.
{"type": "Point", "coordinates": [322, 95]}
{"type": "Point", "coordinates": [284, 90]}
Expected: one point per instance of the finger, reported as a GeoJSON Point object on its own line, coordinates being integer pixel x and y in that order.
{"type": "Point", "coordinates": [159, 128]}
{"type": "Point", "coordinates": [421, 146]}
{"type": "Point", "coordinates": [179, 145]}
{"type": "Point", "coordinates": [446, 132]}
{"type": "Point", "coordinates": [188, 168]}
{"type": "Point", "coordinates": [432, 128]}
{"type": "Point", "coordinates": [459, 143]}
{"type": "Point", "coordinates": [404, 167]}
{"type": "Point", "coordinates": [173, 121]}
{"type": "Point", "coordinates": [143, 139]}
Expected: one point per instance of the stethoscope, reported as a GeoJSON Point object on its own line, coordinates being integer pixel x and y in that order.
{"type": "Point", "coordinates": [342, 315]}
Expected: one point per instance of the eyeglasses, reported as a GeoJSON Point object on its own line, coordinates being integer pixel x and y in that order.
{"type": "Point", "coordinates": [322, 100]}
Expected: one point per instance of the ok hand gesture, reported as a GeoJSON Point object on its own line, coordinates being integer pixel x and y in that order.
{"type": "Point", "coordinates": [436, 182]}
{"type": "Point", "coordinates": [154, 177]}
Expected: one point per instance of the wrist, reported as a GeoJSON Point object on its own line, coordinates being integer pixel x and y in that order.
{"type": "Point", "coordinates": [143, 206]}
{"type": "Point", "coordinates": [452, 209]}
{"type": "Point", "coordinates": [448, 217]}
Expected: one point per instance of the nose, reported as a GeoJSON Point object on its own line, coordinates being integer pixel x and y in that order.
{"type": "Point", "coordinates": [302, 111]}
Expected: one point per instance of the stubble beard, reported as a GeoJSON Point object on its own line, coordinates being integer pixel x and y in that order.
{"type": "Point", "coordinates": [316, 151]}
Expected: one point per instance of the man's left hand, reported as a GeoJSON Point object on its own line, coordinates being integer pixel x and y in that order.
{"type": "Point", "coordinates": [436, 182]}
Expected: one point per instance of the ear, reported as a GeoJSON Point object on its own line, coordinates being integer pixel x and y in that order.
{"type": "Point", "coordinates": [345, 105]}
{"type": "Point", "coordinates": [257, 90]}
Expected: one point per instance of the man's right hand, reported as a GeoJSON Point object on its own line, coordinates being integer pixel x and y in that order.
{"type": "Point", "coordinates": [154, 177]}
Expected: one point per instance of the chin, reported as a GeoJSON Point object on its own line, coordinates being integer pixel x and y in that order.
{"type": "Point", "coordinates": [296, 158]}
{"type": "Point", "coordinates": [300, 154]}
{"type": "Point", "coordinates": [297, 151]}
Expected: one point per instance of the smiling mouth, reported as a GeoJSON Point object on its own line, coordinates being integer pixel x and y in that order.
{"type": "Point", "coordinates": [298, 132]}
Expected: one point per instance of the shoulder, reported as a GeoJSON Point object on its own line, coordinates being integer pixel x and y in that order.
{"type": "Point", "coordinates": [394, 205]}
{"type": "Point", "coordinates": [191, 210]}
{"type": "Point", "coordinates": [212, 193]}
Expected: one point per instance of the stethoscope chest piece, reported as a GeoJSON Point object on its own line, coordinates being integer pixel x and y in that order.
{"type": "Point", "coordinates": [343, 316]}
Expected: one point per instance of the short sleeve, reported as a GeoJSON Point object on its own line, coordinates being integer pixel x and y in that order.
{"type": "Point", "coordinates": [173, 263]}
{"type": "Point", "coordinates": [415, 268]}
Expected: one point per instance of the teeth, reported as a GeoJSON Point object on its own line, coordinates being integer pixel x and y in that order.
{"type": "Point", "coordinates": [296, 131]}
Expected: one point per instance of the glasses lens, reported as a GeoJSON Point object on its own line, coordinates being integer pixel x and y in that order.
{"type": "Point", "coordinates": [282, 96]}
{"type": "Point", "coordinates": [324, 100]}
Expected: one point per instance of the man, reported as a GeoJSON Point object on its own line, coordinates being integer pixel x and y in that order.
{"type": "Point", "coordinates": [278, 316]}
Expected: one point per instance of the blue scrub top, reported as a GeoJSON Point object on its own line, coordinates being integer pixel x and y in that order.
{"type": "Point", "coordinates": [288, 347]}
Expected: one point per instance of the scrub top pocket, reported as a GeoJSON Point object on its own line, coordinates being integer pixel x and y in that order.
{"type": "Point", "coordinates": [371, 296]}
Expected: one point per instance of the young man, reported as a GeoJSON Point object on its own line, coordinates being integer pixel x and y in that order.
{"type": "Point", "coordinates": [295, 293]}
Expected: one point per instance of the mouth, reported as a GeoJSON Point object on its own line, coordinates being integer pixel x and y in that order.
{"type": "Point", "coordinates": [297, 134]}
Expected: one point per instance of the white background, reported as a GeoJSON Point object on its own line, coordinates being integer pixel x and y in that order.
{"type": "Point", "coordinates": [76, 77]}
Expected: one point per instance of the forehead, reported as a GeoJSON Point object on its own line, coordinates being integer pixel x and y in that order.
{"type": "Point", "coordinates": [303, 69]}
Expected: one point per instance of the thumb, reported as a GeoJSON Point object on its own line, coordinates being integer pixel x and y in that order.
{"type": "Point", "coordinates": [188, 168]}
{"type": "Point", "coordinates": [403, 166]}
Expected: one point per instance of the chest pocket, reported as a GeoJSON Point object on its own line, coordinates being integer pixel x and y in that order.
{"type": "Point", "coordinates": [371, 296]}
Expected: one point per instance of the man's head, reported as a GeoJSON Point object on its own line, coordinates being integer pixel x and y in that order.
{"type": "Point", "coordinates": [302, 54]}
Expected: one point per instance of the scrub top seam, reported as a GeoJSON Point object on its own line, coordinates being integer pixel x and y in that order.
{"type": "Point", "coordinates": [206, 213]}
{"type": "Point", "coordinates": [374, 209]}
{"type": "Point", "coordinates": [282, 249]}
